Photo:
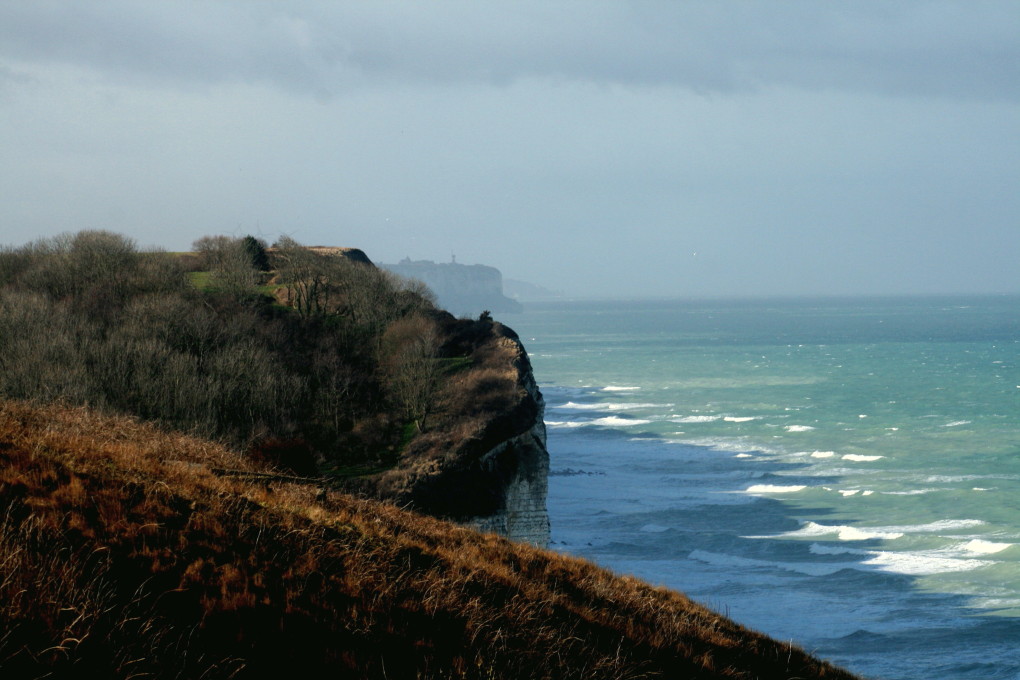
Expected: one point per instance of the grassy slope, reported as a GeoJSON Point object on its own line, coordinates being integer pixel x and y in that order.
{"type": "Point", "coordinates": [123, 555]}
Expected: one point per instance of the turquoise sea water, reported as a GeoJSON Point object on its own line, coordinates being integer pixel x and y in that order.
{"type": "Point", "coordinates": [843, 473]}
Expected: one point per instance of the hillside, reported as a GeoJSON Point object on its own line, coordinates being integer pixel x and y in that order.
{"type": "Point", "coordinates": [131, 551]}
{"type": "Point", "coordinates": [307, 358]}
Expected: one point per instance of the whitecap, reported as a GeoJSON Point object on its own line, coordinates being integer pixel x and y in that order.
{"type": "Point", "coordinates": [981, 547]}
{"type": "Point", "coordinates": [774, 488]}
{"type": "Point", "coordinates": [957, 423]}
{"type": "Point", "coordinates": [695, 419]}
{"type": "Point", "coordinates": [843, 532]}
{"type": "Point", "coordinates": [861, 459]}
{"type": "Point", "coordinates": [619, 388]}
{"type": "Point", "coordinates": [616, 421]}
{"type": "Point", "coordinates": [939, 526]}
{"type": "Point", "coordinates": [799, 428]}
{"type": "Point", "coordinates": [823, 454]}
{"type": "Point", "coordinates": [917, 563]}
{"type": "Point", "coordinates": [921, 563]}
{"type": "Point", "coordinates": [573, 406]}
{"type": "Point", "coordinates": [743, 455]}
{"type": "Point", "coordinates": [565, 423]}
{"type": "Point", "coordinates": [849, 492]}
{"type": "Point", "coordinates": [738, 419]}
{"type": "Point", "coordinates": [626, 406]}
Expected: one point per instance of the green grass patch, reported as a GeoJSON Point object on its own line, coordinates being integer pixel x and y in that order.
{"type": "Point", "coordinates": [201, 280]}
{"type": "Point", "coordinates": [451, 365]}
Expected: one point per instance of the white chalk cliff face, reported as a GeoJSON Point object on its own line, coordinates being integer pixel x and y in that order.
{"type": "Point", "coordinates": [523, 461]}
{"type": "Point", "coordinates": [461, 289]}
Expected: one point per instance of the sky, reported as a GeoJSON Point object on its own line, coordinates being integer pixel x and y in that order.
{"type": "Point", "coordinates": [600, 149]}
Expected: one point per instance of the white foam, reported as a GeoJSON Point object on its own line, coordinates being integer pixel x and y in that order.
{"type": "Point", "coordinates": [616, 421]}
{"type": "Point", "coordinates": [939, 526]}
{"type": "Point", "coordinates": [574, 406]}
{"type": "Point", "coordinates": [695, 419]}
{"type": "Point", "coordinates": [729, 444]}
{"type": "Point", "coordinates": [608, 421]}
{"type": "Point", "coordinates": [799, 428]}
{"type": "Point", "coordinates": [980, 547]}
{"type": "Point", "coordinates": [823, 454]}
{"type": "Point", "coordinates": [921, 563]}
{"type": "Point", "coordinates": [738, 419]}
{"type": "Point", "coordinates": [619, 388]}
{"type": "Point", "coordinates": [849, 492]}
{"type": "Point", "coordinates": [743, 455]}
{"type": "Point", "coordinates": [773, 488]}
{"type": "Point", "coordinates": [912, 492]}
{"type": "Point", "coordinates": [957, 423]}
{"type": "Point", "coordinates": [843, 532]}
{"type": "Point", "coordinates": [861, 459]}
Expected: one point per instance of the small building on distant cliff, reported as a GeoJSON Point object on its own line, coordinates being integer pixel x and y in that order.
{"type": "Point", "coordinates": [464, 290]}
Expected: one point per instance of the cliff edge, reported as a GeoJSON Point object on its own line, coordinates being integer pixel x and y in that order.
{"type": "Point", "coordinates": [486, 464]}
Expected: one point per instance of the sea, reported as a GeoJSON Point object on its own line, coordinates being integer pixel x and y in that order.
{"type": "Point", "coordinates": [840, 473]}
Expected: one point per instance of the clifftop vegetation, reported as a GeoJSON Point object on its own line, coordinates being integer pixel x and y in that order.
{"type": "Point", "coordinates": [312, 360]}
{"type": "Point", "coordinates": [127, 551]}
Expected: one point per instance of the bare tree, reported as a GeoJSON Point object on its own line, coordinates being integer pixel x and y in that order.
{"type": "Point", "coordinates": [229, 262]}
{"type": "Point", "coordinates": [408, 350]}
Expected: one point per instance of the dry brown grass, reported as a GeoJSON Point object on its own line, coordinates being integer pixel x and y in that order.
{"type": "Point", "coordinates": [123, 555]}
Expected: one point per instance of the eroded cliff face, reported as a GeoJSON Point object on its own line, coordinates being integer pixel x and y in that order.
{"type": "Point", "coordinates": [522, 461]}
{"type": "Point", "coordinates": [487, 466]}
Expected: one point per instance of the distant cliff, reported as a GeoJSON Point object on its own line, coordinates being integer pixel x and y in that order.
{"type": "Point", "coordinates": [461, 289]}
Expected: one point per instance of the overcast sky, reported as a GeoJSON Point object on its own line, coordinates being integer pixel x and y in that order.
{"type": "Point", "coordinates": [599, 148]}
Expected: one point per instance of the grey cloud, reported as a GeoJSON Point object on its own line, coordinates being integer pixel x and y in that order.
{"type": "Point", "coordinates": [922, 48]}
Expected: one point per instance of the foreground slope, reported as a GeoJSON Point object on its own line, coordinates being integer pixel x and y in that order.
{"type": "Point", "coordinates": [126, 551]}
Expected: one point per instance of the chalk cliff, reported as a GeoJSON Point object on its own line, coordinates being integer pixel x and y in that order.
{"type": "Point", "coordinates": [522, 464]}
{"type": "Point", "coordinates": [461, 289]}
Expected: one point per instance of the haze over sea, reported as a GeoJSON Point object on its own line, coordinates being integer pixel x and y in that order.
{"type": "Point", "coordinates": [843, 473]}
